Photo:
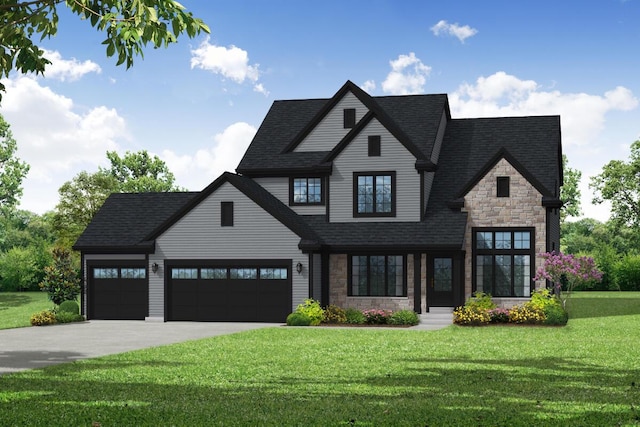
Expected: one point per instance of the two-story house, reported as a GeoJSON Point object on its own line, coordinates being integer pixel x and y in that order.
{"type": "Point", "coordinates": [356, 201]}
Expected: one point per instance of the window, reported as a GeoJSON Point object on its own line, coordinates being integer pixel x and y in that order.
{"type": "Point", "coordinates": [377, 275]}
{"type": "Point", "coordinates": [502, 185]}
{"type": "Point", "coordinates": [306, 191]}
{"type": "Point", "coordinates": [184, 273]}
{"type": "Point", "coordinates": [273, 273]}
{"type": "Point", "coordinates": [226, 214]}
{"type": "Point", "coordinates": [374, 194]}
{"type": "Point", "coordinates": [243, 273]}
{"type": "Point", "coordinates": [105, 273]}
{"type": "Point", "coordinates": [374, 145]}
{"type": "Point", "coordinates": [349, 118]}
{"type": "Point", "coordinates": [503, 261]}
{"type": "Point", "coordinates": [213, 273]}
{"type": "Point", "coordinates": [133, 273]}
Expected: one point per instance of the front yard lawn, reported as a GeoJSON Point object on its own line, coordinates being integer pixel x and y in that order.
{"type": "Point", "coordinates": [16, 308]}
{"type": "Point", "coordinates": [587, 374]}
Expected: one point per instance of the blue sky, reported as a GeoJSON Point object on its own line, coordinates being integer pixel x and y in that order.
{"type": "Point", "coordinates": [198, 103]}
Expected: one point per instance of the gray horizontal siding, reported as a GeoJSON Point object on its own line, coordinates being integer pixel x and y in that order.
{"type": "Point", "coordinates": [279, 187]}
{"type": "Point", "coordinates": [330, 130]}
{"type": "Point", "coordinates": [394, 157]}
{"type": "Point", "coordinates": [254, 235]}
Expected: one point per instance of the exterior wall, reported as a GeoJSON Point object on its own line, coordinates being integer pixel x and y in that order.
{"type": "Point", "coordinates": [317, 277]}
{"type": "Point", "coordinates": [254, 235]}
{"type": "Point", "coordinates": [435, 154]}
{"type": "Point", "coordinates": [394, 157]}
{"type": "Point", "coordinates": [428, 183]}
{"type": "Point", "coordinates": [279, 187]}
{"type": "Point", "coordinates": [330, 130]}
{"type": "Point", "coordinates": [339, 294]}
{"type": "Point", "coordinates": [522, 209]}
{"type": "Point", "coordinates": [105, 257]}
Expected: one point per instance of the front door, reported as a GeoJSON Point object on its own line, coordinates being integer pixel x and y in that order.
{"type": "Point", "coordinates": [440, 290]}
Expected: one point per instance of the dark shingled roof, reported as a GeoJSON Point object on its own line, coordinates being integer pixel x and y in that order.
{"type": "Point", "coordinates": [125, 219]}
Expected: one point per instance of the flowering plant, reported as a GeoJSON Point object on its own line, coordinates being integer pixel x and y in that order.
{"type": "Point", "coordinates": [377, 316]}
{"type": "Point", "coordinates": [569, 270]}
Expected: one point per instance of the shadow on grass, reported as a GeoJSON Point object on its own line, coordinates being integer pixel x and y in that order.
{"type": "Point", "coordinates": [590, 307]}
{"type": "Point", "coordinates": [415, 392]}
{"type": "Point", "coordinates": [12, 300]}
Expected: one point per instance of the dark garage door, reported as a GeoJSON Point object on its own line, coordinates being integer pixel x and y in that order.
{"type": "Point", "coordinates": [118, 292]}
{"type": "Point", "coordinates": [237, 293]}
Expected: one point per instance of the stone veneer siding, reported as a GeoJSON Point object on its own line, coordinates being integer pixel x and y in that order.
{"type": "Point", "coordinates": [523, 208]}
{"type": "Point", "coordinates": [339, 294]}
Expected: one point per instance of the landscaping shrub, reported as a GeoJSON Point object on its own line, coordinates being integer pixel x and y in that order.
{"type": "Point", "coordinates": [627, 273]}
{"type": "Point", "coordinates": [311, 308]}
{"type": "Point", "coordinates": [526, 314]}
{"type": "Point", "coordinates": [404, 317]}
{"type": "Point", "coordinates": [471, 316]}
{"type": "Point", "coordinates": [354, 317]}
{"type": "Point", "coordinates": [542, 298]}
{"type": "Point", "coordinates": [66, 317]}
{"type": "Point", "coordinates": [480, 301]}
{"type": "Point", "coordinates": [376, 316]}
{"type": "Point", "coordinates": [45, 317]}
{"type": "Point", "coordinates": [334, 314]}
{"type": "Point", "coordinates": [69, 307]}
{"type": "Point", "coordinates": [298, 319]}
{"type": "Point", "coordinates": [499, 315]}
{"type": "Point", "coordinates": [61, 279]}
{"type": "Point", "coordinates": [555, 315]}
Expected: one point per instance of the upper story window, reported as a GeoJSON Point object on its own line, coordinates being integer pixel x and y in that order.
{"type": "Point", "coordinates": [306, 191]}
{"type": "Point", "coordinates": [349, 118]}
{"type": "Point", "coordinates": [502, 185]}
{"type": "Point", "coordinates": [374, 145]}
{"type": "Point", "coordinates": [226, 214]}
{"type": "Point", "coordinates": [374, 194]}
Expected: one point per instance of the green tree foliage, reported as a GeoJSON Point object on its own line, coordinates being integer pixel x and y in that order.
{"type": "Point", "coordinates": [129, 26]}
{"type": "Point", "coordinates": [12, 169]}
{"type": "Point", "coordinates": [619, 183]}
{"type": "Point", "coordinates": [570, 192]}
{"type": "Point", "coordinates": [139, 172]}
{"type": "Point", "coordinates": [61, 279]}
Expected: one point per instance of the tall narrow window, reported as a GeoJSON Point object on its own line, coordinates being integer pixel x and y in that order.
{"type": "Point", "coordinates": [374, 194]}
{"type": "Point", "coordinates": [374, 145]}
{"type": "Point", "coordinates": [226, 214]}
{"type": "Point", "coordinates": [503, 186]}
{"type": "Point", "coordinates": [349, 118]}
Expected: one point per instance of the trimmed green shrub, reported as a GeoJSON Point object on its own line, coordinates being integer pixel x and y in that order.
{"type": "Point", "coordinates": [471, 316]}
{"type": "Point", "coordinates": [404, 317]}
{"type": "Point", "coordinates": [555, 315]}
{"type": "Point", "coordinates": [45, 317]}
{"type": "Point", "coordinates": [480, 301]}
{"type": "Point", "coordinates": [69, 307]}
{"type": "Point", "coordinates": [298, 319]}
{"type": "Point", "coordinates": [66, 317]}
{"type": "Point", "coordinates": [354, 316]}
{"type": "Point", "coordinates": [312, 309]}
{"type": "Point", "coordinates": [334, 314]}
{"type": "Point", "coordinates": [61, 279]}
{"type": "Point", "coordinates": [627, 273]}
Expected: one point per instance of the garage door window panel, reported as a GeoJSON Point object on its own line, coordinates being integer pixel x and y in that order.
{"type": "Point", "coordinates": [274, 273]}
{"type": "Point", "coordinates": [243, 273]}
{"type": "Point", "coordinates": [133, 273]}
{"type": "Point", "coordinates": [105, 273]}
{"type": "Point", "coordinates": [184, 273]}
{"type": "Point", "coordinates": [214, 273]}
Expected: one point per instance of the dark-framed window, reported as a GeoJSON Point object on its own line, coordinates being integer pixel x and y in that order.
{"type": "Point", "coordinates": [226, 214]}
{"type": "Point", "coordinates": [374, 145]}
{"type": "Point", "coordinates": [349, 118]}
{"type": "Point", "coordinates": [502, 186]}
{"type": "Point", "coordinates": [374, 194]}
{"type": "Point", "coordinates": [306, 191]}
{"type": "Point", "coordinates": [377, 275]}
{"type": "Point", "coordinates": [503, 261]}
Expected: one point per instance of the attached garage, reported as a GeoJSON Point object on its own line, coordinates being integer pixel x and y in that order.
{"type": "Point", "coordinates": [229, 291]}
{"type": "Point", "coordinates": [117, 290]}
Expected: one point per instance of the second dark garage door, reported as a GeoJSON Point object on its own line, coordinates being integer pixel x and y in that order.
{"type": "Point", "coordinates": [245, 291]}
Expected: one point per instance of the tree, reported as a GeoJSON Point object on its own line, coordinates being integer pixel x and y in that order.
{"type": "Point", "coordinates": [619, 183]}
{"type": "Point", "coordinates": [139, 172]}
{"type": "Point", "coordinates": [569, 192]}
{"type": "Point", "coordinates": [128, 25]}
{"type": "Point", "coordinates": [12, 169]}
{"type": "Point", "coordinates": [61, 279]}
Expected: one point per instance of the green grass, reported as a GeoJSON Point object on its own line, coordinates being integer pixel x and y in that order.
{"type": "Point", "coordinates": [16, 308]}
{"type": "Point", "coordinates": [584, 374]}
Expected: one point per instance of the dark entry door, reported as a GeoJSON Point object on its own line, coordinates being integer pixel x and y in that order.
{"type": "Point", "coordinates": [440, 292]}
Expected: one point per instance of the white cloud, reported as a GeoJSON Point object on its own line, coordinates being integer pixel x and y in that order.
{"type": "Point", "coordinates": [67, 69]}
{"type": "Point", "coordinates": [198, 170]}
{"type": "Point", "coordinates": [408, 76]}
{"type": "Point", "coordinates": [229, 62]}
{"type": "Point", "coordinates": [55, 139]}
{"type": "Point", "coordinates": [455, 30]}
{"type": "Point", "coordinates": [369, 86]}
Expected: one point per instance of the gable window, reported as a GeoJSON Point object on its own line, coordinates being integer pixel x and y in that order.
{"type": "Point", "coordinates": [349, 118]}
{"type": "Point", "coordinates": [502, 185]}
{"type": "Point", "coordinates": [374, 194]}
{"type": "Point", "coordinates": [306, 191]}
{"type": "Point", "coordinates": [377, 275]}
{"type": "Point", "coordinates": [503, 261]}
{"type": "Point", "coordinates": [226, 214]}
{"type": "Point", "coordinates": [374, 146]}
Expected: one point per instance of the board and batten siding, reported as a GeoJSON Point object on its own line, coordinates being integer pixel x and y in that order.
{"type": "Point", "coordinates": [393, 157]}
{"type": "Point", "coordinates": [255, 234]}
{"type": "Point", "coordinates": [330, 130]}
{"type": "Point", "coordinates": [279, 187]}
{"type": "Point", "coordinates": [104, 257]}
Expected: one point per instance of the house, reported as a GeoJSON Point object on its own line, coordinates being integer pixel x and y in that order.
{"type": "Point", "coordinates": [355, 200]}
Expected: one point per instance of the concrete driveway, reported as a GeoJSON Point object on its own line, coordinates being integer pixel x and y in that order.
{"type": "Point", "coordinates": [35, 347]}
